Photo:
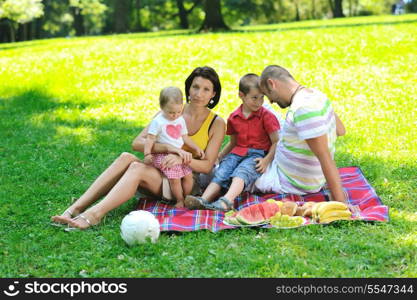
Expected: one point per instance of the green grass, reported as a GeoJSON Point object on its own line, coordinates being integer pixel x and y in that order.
{"type": "Point", "coordinates": [68, 107]}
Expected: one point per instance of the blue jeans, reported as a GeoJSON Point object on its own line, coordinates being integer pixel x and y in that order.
{"type": "Point", "coordinates": [233, 165]}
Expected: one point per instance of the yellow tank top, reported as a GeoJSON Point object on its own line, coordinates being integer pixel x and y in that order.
{"type": "Point", "coordinates": [201, 137]}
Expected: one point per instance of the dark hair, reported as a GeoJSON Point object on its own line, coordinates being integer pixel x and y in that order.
{"type": "Point", "coordinates": [207, 73]}
{"type": "Point", "coordinates": [276, 72]}
{"type": "Point", "coordinates": [168, 94]}
{"type": "Point", "coordinates": [248, 82]}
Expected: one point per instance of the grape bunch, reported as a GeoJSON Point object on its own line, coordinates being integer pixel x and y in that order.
{"type": "Point", "coordinates": [286, 221]}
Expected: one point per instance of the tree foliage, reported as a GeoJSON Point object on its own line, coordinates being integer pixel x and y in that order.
{"type": "Point", "coordinates": [20, 11]}
{"type": "Point", "coordinates": [32, 19]}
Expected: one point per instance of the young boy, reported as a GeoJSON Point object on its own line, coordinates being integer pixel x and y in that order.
{"type": "Point", "coordinates": [253, 134]}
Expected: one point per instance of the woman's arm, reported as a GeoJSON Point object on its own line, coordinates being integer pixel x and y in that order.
{"type": "Point", "coordinates": [340, 128]}
{"type": "Point", "coordinates": [149, 143]}
{"type": "Point", "coordinates": [190, 143]}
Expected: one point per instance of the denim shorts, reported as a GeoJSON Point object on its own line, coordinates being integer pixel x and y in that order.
{"type": "Point", "coordinates": [233, 165]}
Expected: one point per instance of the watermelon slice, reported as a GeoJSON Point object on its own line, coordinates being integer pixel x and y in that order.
{"type": "Point", "coordinates": [257, 213]}
{"type": "Point", "coordinates": [230, 217]}
{"type": "Point", "coordinates": [269, 209]}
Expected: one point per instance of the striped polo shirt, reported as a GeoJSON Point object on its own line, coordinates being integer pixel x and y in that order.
{"type": "Point", "coordinates": [310, 115]}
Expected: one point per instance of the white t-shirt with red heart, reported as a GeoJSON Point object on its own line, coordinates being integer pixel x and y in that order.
{"type": "Point", "coordinates": [168, 132]}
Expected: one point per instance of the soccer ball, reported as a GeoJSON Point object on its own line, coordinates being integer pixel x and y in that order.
{"type": "Point", "coordinates": [139, 226]}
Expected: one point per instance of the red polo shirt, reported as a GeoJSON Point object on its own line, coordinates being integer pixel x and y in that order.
{"type": "Point", "coordinates": [252, 132]}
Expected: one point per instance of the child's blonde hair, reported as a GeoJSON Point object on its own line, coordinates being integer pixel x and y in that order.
{"type": "Point", "coordinates": [169, 94]}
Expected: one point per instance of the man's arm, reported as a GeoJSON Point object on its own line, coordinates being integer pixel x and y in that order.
{"type": "Point", "coordinates": [340, 128]}
{"type": "Point", "coordinates": [319, 147]}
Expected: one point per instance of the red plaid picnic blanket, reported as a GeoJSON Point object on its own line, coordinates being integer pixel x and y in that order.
{"type": "Point", "coordinates": [359, 192]}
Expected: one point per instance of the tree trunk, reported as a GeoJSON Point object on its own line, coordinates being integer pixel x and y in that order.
{"type": "Point", "coordinates": [121, 16]}
{"type": "Point", "coordinates": [25, 31]}
{"type": "Point", "coordinates": [12, 32]}
{"type": "Point", "coordinates": [297, 11]}
{"type": "Point", "coordinates": [4, 31]}
{"type": "Point", "coordinates": [313, 9]}
{"type": "Point", "coordinates": [337, 8]}
{"type": "Point", "coordinates": [138, 22]}
{"type": "Point", "coordinates": [78, 21]}
{"type": "Point", "coordinates": [182, 14]}
{"type": "Point", "coordinates": [214, 18]}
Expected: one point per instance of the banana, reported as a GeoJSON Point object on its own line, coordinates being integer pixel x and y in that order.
{"type": "Point", "coordinates": [331, 205]}
{"type": "Point", "coordinates": [315, 209]}
{"type": "Point", "coordinates": [334, 214]}
{"type": "Point", "coordinates": [328, 220]}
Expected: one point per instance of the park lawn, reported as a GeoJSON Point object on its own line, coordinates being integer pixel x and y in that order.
{"type": "Point", "coordinates": [69, 107]}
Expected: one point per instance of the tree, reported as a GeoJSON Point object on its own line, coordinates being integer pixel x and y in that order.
{"type": "Point", "coordinates": [337, 8]}
{"type": "Point", "coordinates": [183, 13]}
{"type": "Point", "coordinates": [137, 25]}
{"type": "Point", "coordinates": [214, 18]}
{"type": "Point", "coordinates": [121, 16]}
{"type": "Point", "coordinates": [297, 11]}
{"type": "Point", "coordinates": [20, 12]}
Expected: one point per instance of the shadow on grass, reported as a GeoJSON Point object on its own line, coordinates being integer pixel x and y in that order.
{"type": "Point", "coordinates": [393, 180]}
{"type": "Point", "coordinates": [50, 156]}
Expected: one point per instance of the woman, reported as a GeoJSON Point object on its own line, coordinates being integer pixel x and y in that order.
{"type": "Point", "coordinates": [120, 181]}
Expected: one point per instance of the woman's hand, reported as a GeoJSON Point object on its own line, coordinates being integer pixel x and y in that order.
{"type": "Point", "coordinates": [186, 156]}
{"type": "Point", "coordinates": [171, 160]}
{"type": "Point", "coordinates": [261, 164]}
{"type": "Point", "coordinates": [200, 153]}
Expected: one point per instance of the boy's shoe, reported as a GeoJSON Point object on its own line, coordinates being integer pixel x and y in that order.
{"type": "Point", "coordinates": [222, 204]}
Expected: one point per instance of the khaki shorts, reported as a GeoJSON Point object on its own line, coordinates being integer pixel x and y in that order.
{"type": "Point", "coordinates": [201, 181]}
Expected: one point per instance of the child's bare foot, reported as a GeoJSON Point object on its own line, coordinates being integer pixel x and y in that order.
{"type": "Point", "coordinates": [179, 205]}
{"type": "Point", "coordinates": [65, 217]}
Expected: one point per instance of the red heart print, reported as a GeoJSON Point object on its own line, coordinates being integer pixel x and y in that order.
{"type": "Point", "coordinates": [174, 131]}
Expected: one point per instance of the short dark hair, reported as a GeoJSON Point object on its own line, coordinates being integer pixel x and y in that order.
{"type": "Point", "coordinates": [276, 72]}
{"type": "Point", "coordinates": [207, 73]}
{"type": "Point", "coordinates": [168, 94]}
{"type": "Point", "coordinates": [248, 82]}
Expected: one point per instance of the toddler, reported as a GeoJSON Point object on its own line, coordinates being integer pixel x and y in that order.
{"type": "Point", "coordinates": [169, 127]}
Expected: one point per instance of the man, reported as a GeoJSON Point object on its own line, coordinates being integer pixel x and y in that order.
{"type": "Point", "coordinates": [304, 157]}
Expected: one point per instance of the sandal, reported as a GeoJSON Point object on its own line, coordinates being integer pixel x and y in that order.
{"type": "Point", "coordinates": [194, 202]}
{"type": "Point", "coordinates": [82, 217]}
{"type": "Point", "coordinates": [69, 212]}
{"type": "Point", "coordinates": [219, 205]}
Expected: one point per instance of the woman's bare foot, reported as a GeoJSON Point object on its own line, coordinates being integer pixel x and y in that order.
{"type": "Point", "coordinates": [83, 221]}
{"type": "Point", "coordinates": [65, 217]}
